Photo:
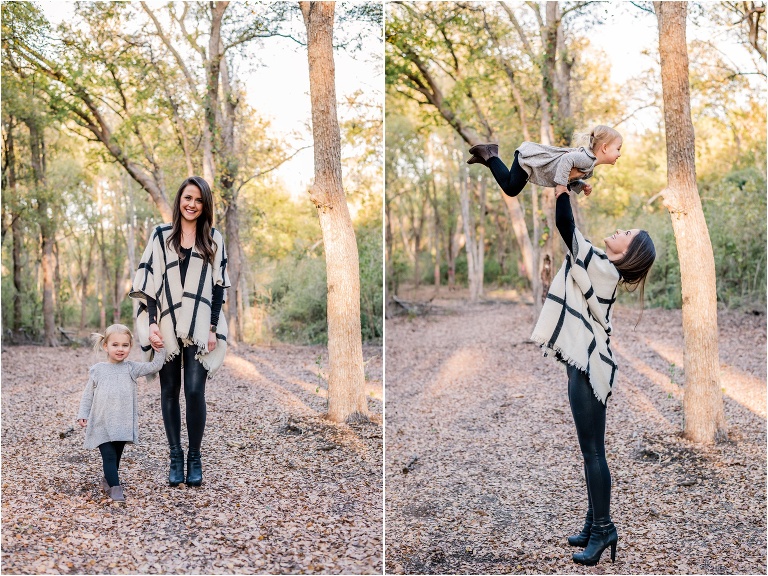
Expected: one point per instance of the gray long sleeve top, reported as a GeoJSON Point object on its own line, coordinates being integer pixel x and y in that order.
{"type": "Point", "coordinates": [550, 165]}
{"type": "Point", "coordinates": [110, 401]}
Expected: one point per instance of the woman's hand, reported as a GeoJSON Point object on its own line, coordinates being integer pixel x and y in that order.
{"type": "Point", "coordinates": [155, 338]}
{"type": "Point", "coordinates": [575, 174]}
{"type": "Point", "coordinates": [587, 189]}
{"type": "Point", "coordinates": [211, 341]}
{"type": "Point", "coordinates": [559, 189]}
{"type": "Point", "coordinates": [83, 422]}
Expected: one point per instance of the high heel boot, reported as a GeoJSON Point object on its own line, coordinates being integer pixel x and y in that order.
{"type": "Point", "coordinates": [481, 153]}
{"type": "Point", "coordinates": [582, 538]}
{"type": "Point", "coordinates": [602, 536]}
{"type": "Point", "coordinates": [194, 468]}
{"type": "Point", "coordinates": [176, 473]}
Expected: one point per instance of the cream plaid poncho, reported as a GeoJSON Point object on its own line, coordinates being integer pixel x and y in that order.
{"type": "Point", "coordinates": [575, 322]}
{"type": "Point", "coordinates": [183, 312]}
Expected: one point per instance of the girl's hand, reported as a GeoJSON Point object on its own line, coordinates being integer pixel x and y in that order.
{"type": "Point", "coordinates": [83, 422]}
{"type": "Point", "coordinates": [587, 189]}
{"type": "Point", "coordinates": [155, 338]}
{"type": "Point", "coordinates": [211, 341]}
{"type": "Point", "coordinates": [560, 190]}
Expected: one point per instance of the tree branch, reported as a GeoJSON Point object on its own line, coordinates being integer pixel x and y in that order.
{"type": "Point", "coordinates": [275, 167]}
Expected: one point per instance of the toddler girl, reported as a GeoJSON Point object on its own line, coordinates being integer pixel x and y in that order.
{"type": "Point", "coordinates": [109, 406]}
{"type": "Point", "coordinates": [551, 166]}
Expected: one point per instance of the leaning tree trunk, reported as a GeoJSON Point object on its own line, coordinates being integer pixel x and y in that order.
{"type": "Point", "coordinates": [703, 401]}
{"type": "Point", "coordinates": [346, 383]}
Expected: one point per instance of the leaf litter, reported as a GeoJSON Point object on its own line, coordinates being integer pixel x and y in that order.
{"type": "Point", "coordinates": [273, 499]}
{"type": "Point", "coordinates": [484, 473]}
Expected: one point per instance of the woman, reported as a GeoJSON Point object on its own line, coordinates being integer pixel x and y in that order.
{"type": "Point", "coordinates": [181, 283]}
{"type": "Point", "coordinates": [575, 325]}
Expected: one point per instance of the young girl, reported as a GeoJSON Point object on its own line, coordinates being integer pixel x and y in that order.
{"type": "Point", "coordinates": [550, 166]}
{"type": "Point", "coordinates": [109, 406]}
{"type": "Point", "coordinates": [575, 326]}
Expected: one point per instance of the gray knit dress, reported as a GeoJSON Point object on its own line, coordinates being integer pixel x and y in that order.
{"type": "Point", "coordinates": [110, 401]}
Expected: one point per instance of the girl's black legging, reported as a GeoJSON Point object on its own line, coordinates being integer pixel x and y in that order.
{"type": "Point", "coordinates": [512, 181]}
{"type": "Point", "coordinates": [195, 376]}
{"type": "Point", "coordinates": [589, 416]}
{"type": "Point", "coordinates": [111, 452]}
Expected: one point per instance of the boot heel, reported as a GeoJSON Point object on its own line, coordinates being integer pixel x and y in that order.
{"type": "Point", "coordinates": [613, 552]}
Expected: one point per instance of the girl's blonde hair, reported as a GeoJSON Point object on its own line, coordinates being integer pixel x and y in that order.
{"type": "Point", "coordinates": [100, 339]}
{"type": "Point", "coordinates": [600, 134]}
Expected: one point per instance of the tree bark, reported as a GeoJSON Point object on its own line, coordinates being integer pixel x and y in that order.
{"type": "Point", "coordinates": [703, 401]}
{"type": "Point", "coordinates": [47, 231]}
{"type": "Point", "coordinates": [346, 383]}
{"type": "Point", "coordinates": [18, 277]}
{"type": "Point", "coordinates": [85, 274]}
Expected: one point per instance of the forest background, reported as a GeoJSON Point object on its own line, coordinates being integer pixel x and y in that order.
{"type": "Point", "coordinates": [464, 70]}
{"type": "Point", "coordinates": [104, 114]}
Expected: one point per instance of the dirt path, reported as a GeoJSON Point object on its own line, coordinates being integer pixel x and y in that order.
{"type": "Point", "coordinates": [495, 482]}
{"type": "Point", "coordinates": [283, 492]}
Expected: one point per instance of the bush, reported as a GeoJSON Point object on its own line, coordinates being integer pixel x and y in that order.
{"type": "Point", "coordinates": [299, 294]}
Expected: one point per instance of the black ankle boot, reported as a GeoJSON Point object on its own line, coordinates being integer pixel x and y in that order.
{"type": "Point", "coordinates": [582, 538]}
{"type": "Point", "coordinates": [602, 536]}
{"type": "Point", "coordinates": [176, 473]}
{"type": "Point", "coordinates": [481, 153]}
{"type": "Point", "coordinates": [194, 469]}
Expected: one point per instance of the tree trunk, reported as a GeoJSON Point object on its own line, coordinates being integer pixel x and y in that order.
{"type": "Point", "coordinates": [118, 280]}
{"type": "Point", "coordinates": [471, 239]}
{"type": "Point", "coordinates": [131, 239]}
{"type": "Point", "coordinates": [47, 232]}
{"type": "Point", "coordinates": [16, 228]}
{"type": "Point", "coordinates": [703, 401]}
{"type": "Point", "coordinates": [234, 269]}
{"type": "Point", "coordinates": [18, 277]}
{"type": "Point", "coordinates": [346, 383]}
{"type": "Point", "coordinates": [85, 276]}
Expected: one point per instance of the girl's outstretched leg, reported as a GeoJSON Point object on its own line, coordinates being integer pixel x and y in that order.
{"type": "Point", "coordinates": [513, 180]}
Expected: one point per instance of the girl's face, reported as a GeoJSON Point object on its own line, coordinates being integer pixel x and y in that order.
{"type": "Point", "coordinates": [118, 347]}
{"type": "Point", "coordinates": [191, 203]}
{"type": "Point", "coordinates": [611, 151]}
{"type": "Point", "coordinates": [616, 245]}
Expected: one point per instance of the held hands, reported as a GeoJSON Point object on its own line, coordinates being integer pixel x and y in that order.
{"type": "Point", "coordinates": [155, 339]}
{"type": "Point", "coordinates": [83, 422]}
{"type": "Point", "coordinates": [211, 341]}
{"type": "Point", "coordinates": [560, 189]}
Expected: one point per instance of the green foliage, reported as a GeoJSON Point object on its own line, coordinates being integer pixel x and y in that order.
{"type": "Point", "coordinates": [299, 301]}
{"type": "Point", "coordinates": [370, 250]}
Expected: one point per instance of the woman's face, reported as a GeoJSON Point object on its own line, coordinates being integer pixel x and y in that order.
{"type": "Point", "coordinates": [616, 245]}
{"type": "Point", "coordinates": [191, 203]}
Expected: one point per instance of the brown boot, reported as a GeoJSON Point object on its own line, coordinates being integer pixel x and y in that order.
{"type": "Point", "coordinates": [116, 493]}
{"type": "Point", "coordinates": [481, 153]}
{"type": "Point", "coordinates": [104, 484]}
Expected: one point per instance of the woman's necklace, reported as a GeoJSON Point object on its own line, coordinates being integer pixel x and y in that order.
{"type": "Point", "coordinates": [185, 239]}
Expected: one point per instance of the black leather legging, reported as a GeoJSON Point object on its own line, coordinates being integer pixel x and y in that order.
{"type": "Point", "coordinates": [589, 417]}
{"type": "Point", "coordinates": [111, 452]}
{"type": "Point", "coordinates": [512, 181]}
{"type": "Point", "coordinates": [195, 376]}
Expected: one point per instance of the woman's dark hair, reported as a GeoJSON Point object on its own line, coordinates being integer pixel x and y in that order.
{"type": "Point", "coordinates": [203, 241]}
{"type": "Point", "coordinates": [636, 263]}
